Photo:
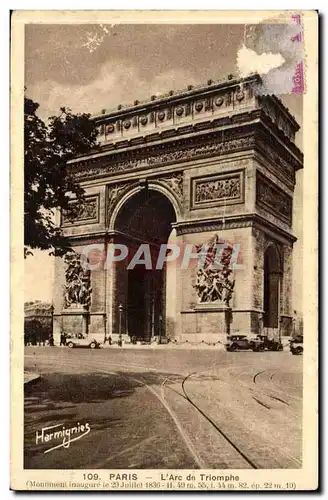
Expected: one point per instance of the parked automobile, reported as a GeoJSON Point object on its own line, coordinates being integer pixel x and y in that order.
{"type": "Point", "coordinates": [81, 341]}
{"type": "Point", "coordinates": [262, 342]}
{"type": "Point", "coordinates": [239, 342]}
{"type": "Point", "coordinates": [296, 345]}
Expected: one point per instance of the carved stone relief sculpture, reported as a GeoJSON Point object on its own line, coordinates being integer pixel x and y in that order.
{"type": "Point", "coordinates": [273, 199]}
{"type": "Point", "coordinates": [213, 282]}
{"type": "Point", "coordinates": [218, 189]}
{"type": "Point", "coordinates": [114, 192]}
{"type": "Point", "coordinates": [175, 182]}
{"type": "Point", "coordinates": [77, 288]}
{"type": "Point", "coordinates": [88, 211]}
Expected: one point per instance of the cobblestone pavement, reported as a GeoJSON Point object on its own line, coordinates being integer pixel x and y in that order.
{"type": "Point", "coordinates": [164, 408]}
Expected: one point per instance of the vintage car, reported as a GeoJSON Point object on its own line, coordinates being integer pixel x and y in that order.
{"type": "Point", "coordinates": [80, 341]}
{"type": "Point", "coordinates": [296, 345]}
{"type": "Point", "coordinates": [262, 342]}
{"type": "Point", "coordinates": [239, 342]}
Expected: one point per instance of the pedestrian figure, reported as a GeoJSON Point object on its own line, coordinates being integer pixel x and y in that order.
{"type": "Point", "coordinates": [63, 339]}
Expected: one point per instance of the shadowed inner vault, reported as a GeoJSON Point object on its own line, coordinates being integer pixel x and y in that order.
{"type": "Point", "coordinates": [146, 218]}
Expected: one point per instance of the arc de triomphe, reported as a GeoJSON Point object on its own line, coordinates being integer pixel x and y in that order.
{"type": "Point", "coordinates": [211, 163]}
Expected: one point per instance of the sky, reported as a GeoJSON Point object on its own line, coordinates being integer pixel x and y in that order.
{"type": "Point", "coordinates": [94, 67]}
{"type": "Point", "coordinates": [64, 67]}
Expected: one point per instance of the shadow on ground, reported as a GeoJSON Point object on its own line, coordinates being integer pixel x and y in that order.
{"type": "Point", "coordinates": [121, 413]}
{"type": "Point", "coordinates": [54, 388]}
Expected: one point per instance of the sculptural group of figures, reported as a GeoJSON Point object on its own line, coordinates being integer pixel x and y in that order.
{"type": "Point", "coordinates": [78, 289]}
{"type": "Point", "coordinates": [222, 188]}
{"type": "Point", "coordinates": [213, 278]}
{"type": "Point", "coordinates": [80, 211]}
{"type": "Point", "coordinates": [214, 284]}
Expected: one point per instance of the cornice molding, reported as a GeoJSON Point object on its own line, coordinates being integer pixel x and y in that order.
{"type": "Point", "coordinates": [90, 237]}
{"type": "Point", "coordinates": [233, 222]}
{"type": "Point", "coordinates": [199, 226]}
{"type": "Point", "coordinates": [270, 131]}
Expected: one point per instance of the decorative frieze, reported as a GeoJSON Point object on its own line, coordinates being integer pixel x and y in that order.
{"type": "Point", "coordinates": [161, 157]}
{"type": "Point", "coordinates": [273, 199]}
{"type": "Point", "coordinates": [218, 190]}
{"type": "Point", "coordinates": [86, 213]}
{"type": "Point", "coordinates": [156, 112]}
{"type": "Point", "coordinates": [202, 150]}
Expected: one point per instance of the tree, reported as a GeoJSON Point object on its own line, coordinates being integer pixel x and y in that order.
{"type": "Point", "coordinates": [48, 182]}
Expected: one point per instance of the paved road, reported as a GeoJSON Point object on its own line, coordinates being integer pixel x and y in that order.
{"type": "Point", "coordinates": [163, 408]}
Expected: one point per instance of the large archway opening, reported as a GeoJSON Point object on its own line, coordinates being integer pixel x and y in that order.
{"type": "Point", "coordinates": [272, 278]}
{"type": "Point", "coordinates": [143, 224]}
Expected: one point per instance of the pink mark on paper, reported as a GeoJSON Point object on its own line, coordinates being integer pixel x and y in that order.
{"type": "Point", "coordinates": [298, 78]}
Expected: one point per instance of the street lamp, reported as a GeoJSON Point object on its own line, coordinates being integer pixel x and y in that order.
{"type": "Point", "coordinates": [294, 324]}
{"type": "Point", "coordinates": [280, 328]}
{"type": "Point", "coordinates": [120, 308]}
{"type": "Point", "coordinates": [105, 327]}
{"type": "Point", "coordinates": [261, 327]}
{"type": "Point", "coordinates": [160, 328]}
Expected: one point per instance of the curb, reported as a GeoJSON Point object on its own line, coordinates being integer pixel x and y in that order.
{"type": "Point", "coordinates": [187, 345]}
{"type": "Point", "coordinates": [31, 378]}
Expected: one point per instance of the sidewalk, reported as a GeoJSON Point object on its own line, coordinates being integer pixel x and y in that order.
{"type": "Point", "coordinates": [170, 345]}
{"type": "Point", "coordinates": [30, 377]}
{"type": "Point", "coordinates": [175, 345]}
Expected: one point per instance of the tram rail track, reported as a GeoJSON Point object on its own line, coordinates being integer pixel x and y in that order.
{"type": "Point", "coordinates": [216, 427]}
{"type": "Point", "coordinates": [256, 464]}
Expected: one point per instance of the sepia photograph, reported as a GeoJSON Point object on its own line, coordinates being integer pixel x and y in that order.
{"type": "Point", "coordinates": [164, 334]}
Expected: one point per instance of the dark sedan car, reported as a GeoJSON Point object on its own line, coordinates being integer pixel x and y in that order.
{"type": "Point", "coordinates": [239, 343]}
{"type": "Point", "coordinates": [262, 342]}
{"type": "Point", "coordinates": [296, 345]}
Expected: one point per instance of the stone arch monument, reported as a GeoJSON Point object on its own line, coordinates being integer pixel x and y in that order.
{"type": "Point", "coordinates": [214, 163]}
